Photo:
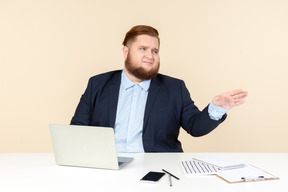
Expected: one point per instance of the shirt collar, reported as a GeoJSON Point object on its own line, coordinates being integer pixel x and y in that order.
{"type": "Point", "coordinates": [127, 83]}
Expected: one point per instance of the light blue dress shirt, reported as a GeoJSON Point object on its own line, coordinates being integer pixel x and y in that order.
{"type": "Point", "coordinates": [216, 112]}
{"type": "Point", "coordinates": [130, 115]}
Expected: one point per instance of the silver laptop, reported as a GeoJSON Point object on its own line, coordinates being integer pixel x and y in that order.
{"type": "Point", "coordinates": [86, 146]}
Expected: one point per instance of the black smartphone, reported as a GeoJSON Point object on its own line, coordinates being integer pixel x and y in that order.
{"type": "Point", "coordinates": [152, 177]}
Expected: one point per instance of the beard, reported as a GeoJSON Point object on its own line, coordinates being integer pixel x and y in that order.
{"type": "Point", "coordinates": [140, 72]}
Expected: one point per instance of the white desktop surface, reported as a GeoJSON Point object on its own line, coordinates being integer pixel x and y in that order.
{"type": "Point", "coordinates": [38, 172]}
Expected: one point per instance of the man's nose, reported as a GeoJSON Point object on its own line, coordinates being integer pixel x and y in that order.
{"type": "Point", "coordinates": [149, 54]}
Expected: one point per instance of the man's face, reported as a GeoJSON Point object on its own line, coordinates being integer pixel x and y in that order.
{"type": "Point", "coordinates": [142, 57]}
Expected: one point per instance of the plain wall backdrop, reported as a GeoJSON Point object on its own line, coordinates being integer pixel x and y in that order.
{"type": "Point", "coordinates": [50, 48]}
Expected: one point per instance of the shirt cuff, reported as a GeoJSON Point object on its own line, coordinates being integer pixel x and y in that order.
{"type": "Point", "coordinates": [216, 112]}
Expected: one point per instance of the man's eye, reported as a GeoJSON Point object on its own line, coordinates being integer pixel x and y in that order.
{"type": "Point", "coordinates": [155, 52]}
{"type": "Point", "coordinates": [143, 48]}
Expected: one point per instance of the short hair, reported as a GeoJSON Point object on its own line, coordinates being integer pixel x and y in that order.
{"type": "Point", "coordinates": [140, 30]}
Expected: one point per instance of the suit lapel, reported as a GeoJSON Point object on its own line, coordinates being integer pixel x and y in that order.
{"type": "Point", "coordinates": [153, 92]}
{"type": "Point", "coordinates": [113, 98]}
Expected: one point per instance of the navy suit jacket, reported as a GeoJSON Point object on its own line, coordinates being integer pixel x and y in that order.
{"type": "Point", "coordinates": [168, 108]}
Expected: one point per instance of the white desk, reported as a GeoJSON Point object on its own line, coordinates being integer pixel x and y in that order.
{"type": "Point", "coordinates": [38, 172]}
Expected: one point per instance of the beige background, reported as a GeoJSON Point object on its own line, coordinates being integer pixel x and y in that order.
{"type": "Point", "coordinates": [49, 49]}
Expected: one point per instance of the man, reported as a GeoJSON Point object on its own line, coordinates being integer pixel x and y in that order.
{"type": "Point", "coordinates": [147, 109]}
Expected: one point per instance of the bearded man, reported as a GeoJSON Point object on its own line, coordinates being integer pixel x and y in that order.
{"type": "Point", "coordinates": [145, 108]}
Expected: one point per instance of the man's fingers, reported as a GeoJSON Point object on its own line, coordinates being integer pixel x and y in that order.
{"type": "Point", "coordinates": [239, 102]}
{"type": "Point", "coordinates": [239, 93]}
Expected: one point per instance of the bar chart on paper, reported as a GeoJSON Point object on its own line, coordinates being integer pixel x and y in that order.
{"type": "Point", "coordinates": [194, 167]}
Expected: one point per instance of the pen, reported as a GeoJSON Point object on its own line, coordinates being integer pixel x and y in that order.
{"type": "Point", "coordinates": [170, 174]}
{"type": "Point", "coordinates": [232, 167]}
{"type": "Point", "coordinates": [170, 181]}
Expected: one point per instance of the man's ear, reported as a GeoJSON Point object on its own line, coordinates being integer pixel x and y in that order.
{"type": "Point", "coordinates": [125, 52]}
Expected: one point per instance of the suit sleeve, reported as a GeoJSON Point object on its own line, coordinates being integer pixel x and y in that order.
{"type": "Point", "coordinates": [83, 111]}
{"type": "Point", "coordinates": [195, 122]}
